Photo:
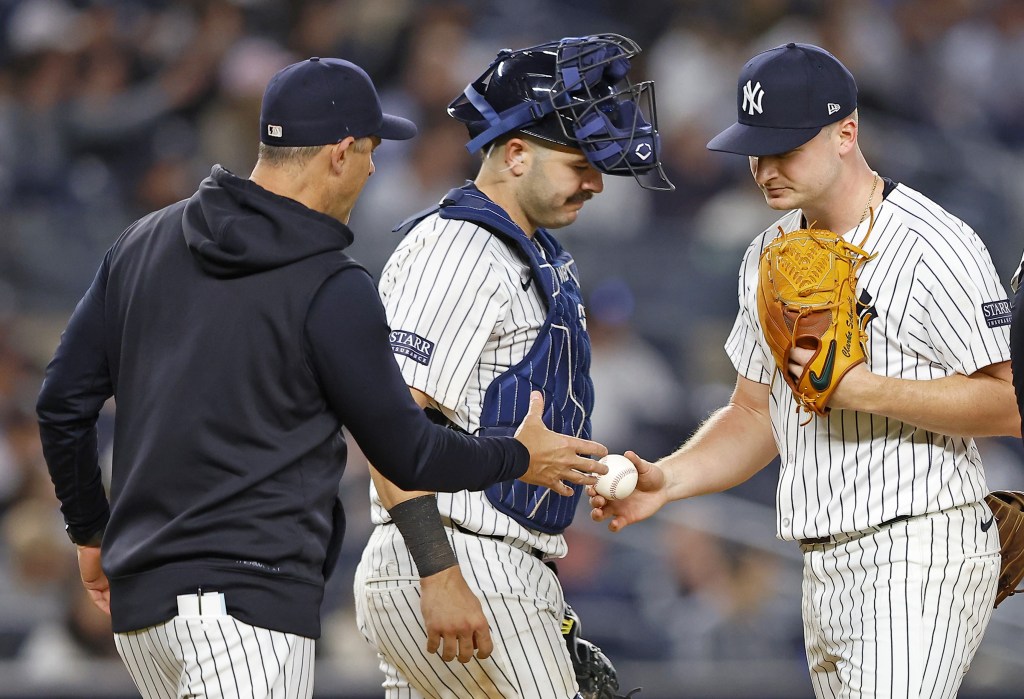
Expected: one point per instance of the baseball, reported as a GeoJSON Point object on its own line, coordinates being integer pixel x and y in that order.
{"type": "Point", "coordinates": [620, 480]}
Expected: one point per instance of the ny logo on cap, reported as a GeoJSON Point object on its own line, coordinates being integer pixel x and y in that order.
{"type": "Point", "coordinates": [752, 95]}
{"type": "Point", "coordinates": [274, 130]}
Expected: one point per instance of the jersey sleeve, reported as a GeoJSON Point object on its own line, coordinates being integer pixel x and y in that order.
{"type": "Point", "coordinates": [443, 294]}
{"type": "Point", "coordinates": [966, 311]}
{"type": "Point", "coordinates": [744, 346]}
{"type": "Point", "coordinates": [348, 349]}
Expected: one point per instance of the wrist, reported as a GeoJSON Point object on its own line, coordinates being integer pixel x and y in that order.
{"type": "Point", "coordinates": [85, 538]}
{"type": "Point", "coordinates": [420, 525]}
{"type": "Point", "coordinates": [442, 576]}
{"type": "Point", "coordinates": [859, 389]}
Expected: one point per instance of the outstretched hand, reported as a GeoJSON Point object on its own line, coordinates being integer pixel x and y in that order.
{"type": "Point", "coordinates": [554, 457]}
{"type": "Point", "coordinates": [646, 499]}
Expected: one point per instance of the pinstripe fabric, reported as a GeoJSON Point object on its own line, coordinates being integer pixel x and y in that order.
{"type": "Point", "coordinates": [459, 285]}
{"type": "Point", "coordinates": [462, 287]}
{"type": "Point", "coordinates": [897, 612]}
{"type": "Point", "coordinates": [520, 596]}
{"type": "Point", "coordinates": [219, 658]}
{"type": "Point", "coordinates": [901, 612]}
{"type": "Point", "coordinates": [472, 296]}
{"type": "Point", "coordinates": [849, 471]}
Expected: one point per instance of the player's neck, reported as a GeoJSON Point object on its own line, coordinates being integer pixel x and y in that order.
{"type": "Point", "coordinates": [847, 204]}
{"type": "Point", "coordinates": [502, 196]}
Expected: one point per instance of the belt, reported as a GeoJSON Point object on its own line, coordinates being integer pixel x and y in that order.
{"type": "Point", "coordinates": [510, 540]}
{"type": "Point", "coordinates": [842, 537]}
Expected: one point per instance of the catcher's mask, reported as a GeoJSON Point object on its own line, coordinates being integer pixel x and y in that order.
{"type": "Point", "coordinates": [575, 92]}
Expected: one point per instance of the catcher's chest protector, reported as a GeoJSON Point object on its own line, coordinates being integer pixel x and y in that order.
{"type": "Point", "coordinates": [558, 363]}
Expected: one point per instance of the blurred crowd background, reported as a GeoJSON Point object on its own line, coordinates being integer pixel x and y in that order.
{"type": "Point", "coordinates": [112, 108]}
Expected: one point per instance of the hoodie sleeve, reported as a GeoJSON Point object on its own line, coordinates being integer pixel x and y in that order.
{"type": "Point", "coordinates": [347, 333]}
{"type": "Point", "coordinates": [76, 386]}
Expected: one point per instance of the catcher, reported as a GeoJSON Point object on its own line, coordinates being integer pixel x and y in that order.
{"type": "Point", "coordinates": [894, 347]}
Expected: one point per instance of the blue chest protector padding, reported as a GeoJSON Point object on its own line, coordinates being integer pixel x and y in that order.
{"type": "Point", "coordinates": [558, 364]}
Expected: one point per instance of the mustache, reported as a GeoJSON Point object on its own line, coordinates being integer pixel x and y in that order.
{"type": "Point", "coordinates": [580, 197]}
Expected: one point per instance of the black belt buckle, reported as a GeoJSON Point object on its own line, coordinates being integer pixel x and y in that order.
{"type": "Point", "coordinates": [818, 541]}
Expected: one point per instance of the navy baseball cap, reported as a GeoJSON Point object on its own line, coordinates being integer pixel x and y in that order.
{"type": "Point", "coordinates": [323, 100]}
{"type": "Point", "coordinates": [785, 95]}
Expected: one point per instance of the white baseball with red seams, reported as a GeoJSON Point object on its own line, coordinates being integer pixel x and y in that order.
{"type": "Point", "coordinates": [620, 480]}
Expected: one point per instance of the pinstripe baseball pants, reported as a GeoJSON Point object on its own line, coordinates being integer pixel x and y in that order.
{"type": "Point", "coordinates": [217, 657]}
{"type": "Point", "coordinates": [900, 612]}
{"type": "Point", "coordinates": [521, 598]}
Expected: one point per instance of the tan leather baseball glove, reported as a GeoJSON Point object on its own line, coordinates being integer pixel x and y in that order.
{"type": "Point", "coordinates": [1008, 508]}
{"type": "Point", "coordinates": [807, 297]}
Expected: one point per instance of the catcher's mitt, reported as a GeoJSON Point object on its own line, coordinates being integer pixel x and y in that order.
{"type": "Point", "coordinates": [1008, 508]}
{"type": "Point", "coordinates": [594, 672]}
{"type": "Point", "coordinates": [807, 297]}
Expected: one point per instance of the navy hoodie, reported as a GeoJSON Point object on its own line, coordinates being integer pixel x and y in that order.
{"type": "Point", "coordinates": [237, 338]}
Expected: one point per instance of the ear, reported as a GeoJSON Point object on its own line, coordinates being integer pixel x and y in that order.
{"type": "Point", "coordinates": [339, 152]}
{"type": "Point", "coordinates": [517, 152]}
{"type": "Point", "coordinates": [847, 132]}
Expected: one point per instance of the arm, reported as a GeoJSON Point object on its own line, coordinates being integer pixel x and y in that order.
{"type": "Point", "coordinates": [451, 612]}
{"type": "Point", "coordinates": [730, 447]}
{"type": "Point", "coordinates": [76, 386]}
{"type": "Point", "coordinates": [979, 405]}
{"type": "Point", "coordinates": [347, 337]}
{"type": "Point", "coordinates": [952, 282]}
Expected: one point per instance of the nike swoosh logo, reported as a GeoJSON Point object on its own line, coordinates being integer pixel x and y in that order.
{"type": "Point", "coordinates": [822, 381]}
{"type": "Point", "coordinates": [985, 526]}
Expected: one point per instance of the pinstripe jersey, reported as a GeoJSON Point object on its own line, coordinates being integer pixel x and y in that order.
{"type": "Point", "coordinates": [457, 291]}
{"type": "Point", "coordinates": [938, 309]}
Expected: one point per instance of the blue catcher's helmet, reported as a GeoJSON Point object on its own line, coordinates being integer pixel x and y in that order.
{"type": "Point", "coordinates": [575, 92]}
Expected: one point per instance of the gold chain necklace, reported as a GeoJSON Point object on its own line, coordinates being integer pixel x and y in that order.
{"type": "Point", "coordinates": [867, 207]}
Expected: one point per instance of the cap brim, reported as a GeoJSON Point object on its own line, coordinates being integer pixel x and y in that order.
{"type": "Point", "coordinates": [760, 140]}
{"type": "Point", "coordinates": [396, 128]}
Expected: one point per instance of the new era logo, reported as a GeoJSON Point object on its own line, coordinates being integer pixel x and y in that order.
{"type": "Point", "coordinates": [833, 108]}
{"type": "Point", "coordinates": [274, 130]}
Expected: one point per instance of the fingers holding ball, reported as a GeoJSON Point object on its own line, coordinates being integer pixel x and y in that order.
{"type": "Point", "coordinates": [620, 480]}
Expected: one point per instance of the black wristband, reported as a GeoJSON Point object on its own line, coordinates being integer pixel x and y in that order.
{"type": "Point", "coordinates": [420, 524]}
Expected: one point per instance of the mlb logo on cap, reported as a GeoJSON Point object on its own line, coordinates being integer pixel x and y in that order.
{"type": "Point", "coordinates": [785, 95]}
{"type": "Point", "coordinates": [323, 100]}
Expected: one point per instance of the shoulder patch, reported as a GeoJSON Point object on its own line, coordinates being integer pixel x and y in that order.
{"type": "Point", "coordinates": [996, 313]}
{"type": "Point", "coordinates": [411, 345]}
